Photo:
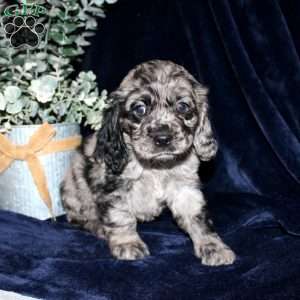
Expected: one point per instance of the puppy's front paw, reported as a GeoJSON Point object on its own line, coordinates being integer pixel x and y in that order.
{"type": "Point", "coordinates": [130, 251]}
{"type": "Point", "coordinates": [215, 254]}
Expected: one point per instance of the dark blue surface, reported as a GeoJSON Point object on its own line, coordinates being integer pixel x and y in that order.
{"type": "Point", "coordinates": [247, 52]}
{"type": "Point", "coordinates": [57, 261]}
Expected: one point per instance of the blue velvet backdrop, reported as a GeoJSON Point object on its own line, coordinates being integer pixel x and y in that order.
{"type": "Point", "coordinates": [247, 52]}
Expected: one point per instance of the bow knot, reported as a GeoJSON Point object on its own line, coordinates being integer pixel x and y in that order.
{"type": "Point", "coordinates": [22, 153]}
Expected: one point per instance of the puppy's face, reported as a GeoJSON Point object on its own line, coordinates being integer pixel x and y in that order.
{"type": "Point", "coordinates": [160, 112]}
{"type": "Point", "coordinates": [160, 119]}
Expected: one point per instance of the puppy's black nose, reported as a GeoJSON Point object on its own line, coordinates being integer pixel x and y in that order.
{"type": "Point", "coordinates": [162, 140]}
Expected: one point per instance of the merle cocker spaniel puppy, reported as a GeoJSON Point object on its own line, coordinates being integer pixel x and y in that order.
{"type": "Point", "coordinates": [154, 134]}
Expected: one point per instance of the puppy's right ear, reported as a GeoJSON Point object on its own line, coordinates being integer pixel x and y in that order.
{"type": "Point", "coordinates": [205, 143]}
{"type": "Point", "coordinates": [111, 146]}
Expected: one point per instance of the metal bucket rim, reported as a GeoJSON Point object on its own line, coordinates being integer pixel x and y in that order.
{"type": "Point", "coordinates": [38, 125]}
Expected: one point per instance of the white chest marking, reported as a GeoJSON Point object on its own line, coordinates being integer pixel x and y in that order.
{"type": "Point", "coordinates": [152, 189]}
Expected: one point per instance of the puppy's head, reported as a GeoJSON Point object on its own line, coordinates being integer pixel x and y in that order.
{"type": "Point", "coordinates": [161, 111]}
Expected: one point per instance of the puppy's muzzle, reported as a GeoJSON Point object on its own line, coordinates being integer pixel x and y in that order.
{"type": "Point", "coordinates": [161, 135]}
{"type": "Point", "coordinates": [162, 140]}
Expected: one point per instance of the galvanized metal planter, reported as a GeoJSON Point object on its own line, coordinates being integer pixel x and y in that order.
{"type": "Point", "coordinates": [18, 191]}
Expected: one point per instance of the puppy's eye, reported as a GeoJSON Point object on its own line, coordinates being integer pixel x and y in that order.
{"type": "Point", "coordinates": [182, 107]}
{"type": "Point", "coordinates": [139, 109]}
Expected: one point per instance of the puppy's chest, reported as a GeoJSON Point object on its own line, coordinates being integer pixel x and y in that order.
{"type": "Point", "coordinates": [146, 197]}
{"type": "Point", "coordinates": [150, 191]}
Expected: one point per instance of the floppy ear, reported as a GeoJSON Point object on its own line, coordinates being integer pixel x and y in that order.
{"type": "Point", "coordinates": [205, 143]}
{"type": "Point", "coordinates": [110, 142]}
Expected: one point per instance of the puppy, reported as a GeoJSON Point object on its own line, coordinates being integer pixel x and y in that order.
{"type": "Point", "coordinates": [154, 134]}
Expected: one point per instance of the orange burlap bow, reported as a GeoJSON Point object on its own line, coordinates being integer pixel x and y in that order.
{"type": "Point", "coordinates": [40, 143]}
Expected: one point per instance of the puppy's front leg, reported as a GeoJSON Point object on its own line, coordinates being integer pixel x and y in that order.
{"type": "Point", "coordinates": [120, 232]}
{"type": "Point", "coordinates": [189, 209]}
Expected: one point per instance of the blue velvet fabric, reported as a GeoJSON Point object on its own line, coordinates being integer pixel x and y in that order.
{"type": "Point", "coordinates": [247, 52]}
{"type": "Point", "coordinates": [60, 262]}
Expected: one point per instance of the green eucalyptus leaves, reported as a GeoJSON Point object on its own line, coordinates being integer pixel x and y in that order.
{"type": "Point", "coordinates": [36, 85]}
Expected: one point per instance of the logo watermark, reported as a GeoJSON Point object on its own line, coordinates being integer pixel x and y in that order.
{"type": "Point", "coordinates": [21, 26]}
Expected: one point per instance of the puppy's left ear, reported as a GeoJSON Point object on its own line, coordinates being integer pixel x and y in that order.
{"type": "Point", "coordinates": [111, 146]}
{"type": "Point", "coordinates": [205, 143]}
